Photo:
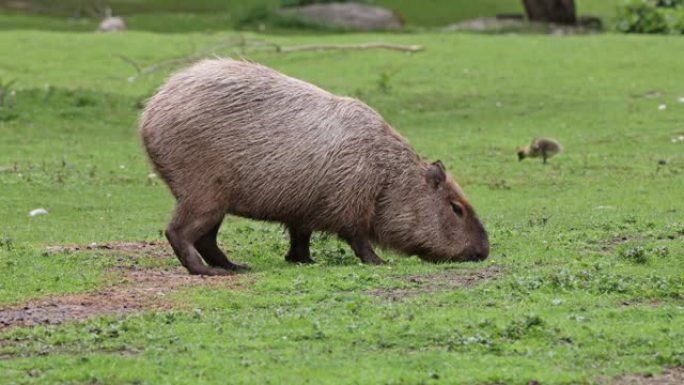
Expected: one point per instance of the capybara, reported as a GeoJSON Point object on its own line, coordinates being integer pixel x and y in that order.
{"type": "Point", "coordinates": [234, 137]}
{"type": "Point", "coordinates": [540, 147]}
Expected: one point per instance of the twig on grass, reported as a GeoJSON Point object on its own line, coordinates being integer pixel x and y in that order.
{"type": "Point", "coordinates": [131, 62]}
{"type": "Point", "coordinates": [364, 46]}
{"type": "Point", "coordinates": [244, 44]}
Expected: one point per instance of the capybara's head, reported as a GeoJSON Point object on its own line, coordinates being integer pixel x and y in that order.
{"type": "Point", "coordinates": [433, 220]}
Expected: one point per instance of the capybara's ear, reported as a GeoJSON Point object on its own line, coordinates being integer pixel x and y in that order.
{"type": "Point", "coordinates": [435, 174]}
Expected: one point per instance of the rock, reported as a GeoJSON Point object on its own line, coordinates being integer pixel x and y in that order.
{"type": "Point", "coordinates": [38, 211]}
{"type": "Point", "coordinates": [112, 24]}
{"type": "Point", "coordinates": [361, 17]}
{"type": "Point", "coordinates": [488, 24]}
{"type": "Point", "coordinates": [519, 24]}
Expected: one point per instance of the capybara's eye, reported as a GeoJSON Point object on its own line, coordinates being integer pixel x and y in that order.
{"type": "Point", "coordinates": [458, 209]}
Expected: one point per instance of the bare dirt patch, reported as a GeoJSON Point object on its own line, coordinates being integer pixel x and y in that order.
{"type": "Point", "coordinates": [151, 248]}
{"type": "Point", "coordinates": [141, 289]}
{"type": "Point", "coordinates": [667, 377]}
{"type": "Point", "coordinates": [438, 282]}
{"type": "Point", "coordinates": [643, 302]}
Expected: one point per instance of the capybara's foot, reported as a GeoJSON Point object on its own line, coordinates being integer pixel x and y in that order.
{"type": "Point", "coordinates": [374, 261]}
{"type": "Point", "coordinates": [303, 259]}
{"type": "Point", "coordinates": [239, 267]}
{"type": "Point", "coordinates": [211, 271]}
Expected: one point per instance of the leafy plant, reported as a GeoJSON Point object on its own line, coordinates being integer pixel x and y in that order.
{"type": "Point", "coordinates": [383, 82]}
{"type": "Point", "coordinates": [7, 100]}
{"type": "Point", "coordinates": [670, 3]}
{"type": "Point", "coordinates": [651, 16]}
{"type": "Point", "coordinates": [6, 93]}
{"type": "Point", "coordinates": [635, 254]}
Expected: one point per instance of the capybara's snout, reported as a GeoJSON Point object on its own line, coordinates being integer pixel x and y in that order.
{"type": "Point", "coordinates": [476, 253]}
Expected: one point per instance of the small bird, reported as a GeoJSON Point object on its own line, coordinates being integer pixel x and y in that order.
{"type": "Point", "coordinates": [544, 147]}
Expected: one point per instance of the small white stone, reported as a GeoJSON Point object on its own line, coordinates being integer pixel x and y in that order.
{"type": "Point", "coordinates": [681, 99]}
{"type": "Point", "coordinates": [662, 107]}
{"type": "Point", "coordinates": [38, 211]}
{"type": "Point", "coordinates": [152, 175]}
{"type": "Point", "coordinates": [112, 24]}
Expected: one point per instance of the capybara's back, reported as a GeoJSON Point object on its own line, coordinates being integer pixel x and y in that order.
{"type": "Point", "coordinates": [236, 137]}
{"type": "Point", "coordinates": [265, 145]}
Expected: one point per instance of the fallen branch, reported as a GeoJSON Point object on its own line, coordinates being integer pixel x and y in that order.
{"type": "Point", "coordinates": [243, 44]}
{"type": "Point", "coordinates": [131, 62]}
{"type": "Point", "coordinates": [179, 60]}
{"type": "Point", "coordinates": [158, 66]}
{"type": "Point", "coordinates": [365, 46]}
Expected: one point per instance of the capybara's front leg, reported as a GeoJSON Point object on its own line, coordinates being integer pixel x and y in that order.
{"type": "Point", "coordinates": [363, 249]}
{"type": "Point", "coordinates": [299, 245]}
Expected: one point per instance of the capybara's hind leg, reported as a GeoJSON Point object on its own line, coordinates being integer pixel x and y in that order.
{"type": "Point", "coordinates": [299, 246]}
{"type": "Point", "coordinates": [212, 254]}
{"type": "Point", "coordinates": [189, 223]}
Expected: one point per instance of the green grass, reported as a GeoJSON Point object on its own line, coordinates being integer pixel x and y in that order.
{"type": "Point", "coordinates": [215, 15]}
{"type": "Point", "coordinates": [589, 247]}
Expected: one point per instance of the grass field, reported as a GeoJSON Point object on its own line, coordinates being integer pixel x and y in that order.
{"type": "Point", "coordinates": [585, 282]}
{"type": "Point", "coordinates": [216, 15]}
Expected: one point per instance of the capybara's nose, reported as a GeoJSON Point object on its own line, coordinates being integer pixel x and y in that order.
{"type": "Point", "coordinates": [477, 253]}
{"type": "Point", "coordinates": [483, 251]}
{"type": "Point", "coordinates": [480, 256]}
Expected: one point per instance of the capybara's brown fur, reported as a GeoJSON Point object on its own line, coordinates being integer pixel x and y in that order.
{"type": "Point", "coordinates": [232, 137]}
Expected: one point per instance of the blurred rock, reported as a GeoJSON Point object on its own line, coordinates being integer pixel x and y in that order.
{"type": "Point", "coordinates": [514, 23]}
{"type": "Point", "coordinates": [361, 17]}
{"type": "Point", "coordinates": [111, 23]}
{"type": "Point", "coordinates": [488, 24]}
{"type": "Point", "coordinates": [39, 211]}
